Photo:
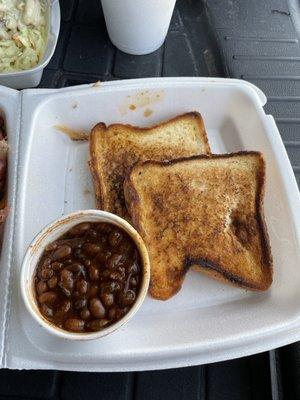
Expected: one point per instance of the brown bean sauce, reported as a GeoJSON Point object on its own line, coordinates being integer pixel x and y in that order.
{"type": "Point", "coordinates": [89, 278]}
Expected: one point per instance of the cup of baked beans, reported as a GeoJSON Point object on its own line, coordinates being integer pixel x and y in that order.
{"type": "Point", "coordinates": [85, 275]}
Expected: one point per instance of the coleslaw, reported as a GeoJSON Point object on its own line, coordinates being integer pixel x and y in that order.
{"type": "Point", "coordinates": [22, 34]}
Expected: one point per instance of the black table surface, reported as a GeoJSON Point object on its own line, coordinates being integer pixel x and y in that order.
{"type": "Point", "coordinates": [253, 40]}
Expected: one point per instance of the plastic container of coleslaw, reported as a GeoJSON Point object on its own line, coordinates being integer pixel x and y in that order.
{"type": "Point", "coordinates": [31, 77]}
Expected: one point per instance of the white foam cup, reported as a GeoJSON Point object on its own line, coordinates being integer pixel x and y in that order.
{"type": "Point", "coordinates": [138, 26]}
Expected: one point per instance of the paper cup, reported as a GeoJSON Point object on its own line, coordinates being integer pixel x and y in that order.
{"type": "Point", "coordinates": [138, 26]}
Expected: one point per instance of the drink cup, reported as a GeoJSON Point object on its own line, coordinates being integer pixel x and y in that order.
{"type": "Point", "coordinates": [138, 26]}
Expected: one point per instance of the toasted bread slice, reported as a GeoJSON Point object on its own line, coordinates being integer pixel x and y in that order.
{"type": "Point", "coordinates": [114, 149]}
{"type": "Point", "coordinates": [204, 211]}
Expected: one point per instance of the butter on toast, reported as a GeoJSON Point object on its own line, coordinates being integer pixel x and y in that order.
{"type": "Point", "coordinates": [114, 149]}
{"type": "Point", "coordinates": [204, 211]}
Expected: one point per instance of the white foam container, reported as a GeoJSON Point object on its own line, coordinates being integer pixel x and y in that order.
{"type": "Point", "coordinates": [32, 77]}
{"type": "Point", "coordinates": [48, 176]}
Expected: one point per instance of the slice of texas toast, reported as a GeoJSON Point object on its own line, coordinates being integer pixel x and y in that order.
{"type": "Point", "coordinates": [204, 211]}
{"type": "Point", "coordinates": [114, 149]}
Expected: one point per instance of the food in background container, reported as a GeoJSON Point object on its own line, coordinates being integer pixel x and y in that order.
{"type": "Point", "coordinates": [23, 34]}
{"type": "Point", "coordinates": [3, 168]}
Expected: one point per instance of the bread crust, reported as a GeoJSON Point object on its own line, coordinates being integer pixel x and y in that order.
{"type": "Point", "coordinates": [192, 114]}
{"type": "Point", "coordinates": [93, 164]}
{"type": "Point", "coordinates": [101, 130]}
{"type": "Point", "coordinates": [208, 266]}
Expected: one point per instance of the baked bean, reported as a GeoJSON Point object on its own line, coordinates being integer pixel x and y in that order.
{"type": "Point", "coordinates": [133, 269]}
{"type": "Point", "coordinates": [103, 256]}
{"type": "Point", "coordinates": [46, 311]}
{"type": "Point", "coordinates": [133, 282]}
{"type": "Point", "coordinates": [117, 276]}
{"type": "Point", "coordinates": [87, 263]}
{"type": "Point", "coordinates": [115, 286]}
{"type": "Point", "coordinates": [93, 273]}
{"type": "Point", "coordinates": [47, 297]}
{"type": "Point", "coordinates": [51, 246]}
{"type": "Point", "coordinates": [112, 313]}
{"type": "Point", "coordinates": [122, 271]}
{"type": "Point", "coordinates": [89, 278]}
{"type": "Point", "coordinates": [101, 238]}
{"type": "Point", "coordinates": [57, 266]}
{"type": "Point", "coordinates": [52, 282]}
{"type": "Point", "coordinates": [61, 253]}
{"type": "Point", "coordinates": [126, 298]}
{"type": "Point", "coordinates": [124, 310]}
{"type": "Point", "coordinates": [106, 273]}
{"type": "Point", "coordinates": [97, 324]}
{"type": "Point", "coordinates": [75, 242]}
{"type": "Point", "coordinates": [65, 291]}
{"type": "Point", "coordinates": [80, 229]}
{"type": "Point", "coordinates": [77, 268]}
{"type": "Point", "coordinates": [92, 235]}
{"type": "Point", "coordinates": [79, 304]}
{"type": "Point", "coordinates": [126, 259]}
{"type": "Point", "coordinates": [67, 279]}
{"type": "Point", "coordinates": [63, 309]}
{"type": "Point", "coordinates": [41, 287]}
{"type": "Point", "coordinates": [107, 299]}
{"type": "Point", "coordinates": [46, 262]}
{"type": "Point", "coordinates": [80, 255]}
{"type": "Point", "coordinates": [65, 306]}
{"type": "Point", "coordinates": [119, 313]}
{"type": "Point", "coordinates": [115, 238]}
{"type": "Point", "coordinates": [82, 286]}
{"type": "Point", "coordinates": [74, 324]}
{"type": "Point", "coordinates": [96, 308]}
{"type": "Point", "coordinates": [114, 261]}
{"type": "Point", "coordinates": [91, 249]}
{"type": "Point", "coordinates": [85, 314]}
{"type": "Point", "coordinates": [45, 273]}
{"type": "Point", "coordinates": [110, 287]}
{"type": "Point", "coordinates": [93, 292]}
{"type": "Point", "coordinates": [104, 228]}
{"type": "Point", "coordinates": [77, 252]}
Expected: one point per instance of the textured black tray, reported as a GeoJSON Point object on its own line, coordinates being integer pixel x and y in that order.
{"type": "Point", "coordinates": [256, 40]}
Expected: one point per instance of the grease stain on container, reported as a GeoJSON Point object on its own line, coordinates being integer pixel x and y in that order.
{"type": "Point", "coordinates": [140, 100]}
{"type": "Point", "coordinates": [148, 112]}
{"type": "Point", "coordinates": [87, 192]}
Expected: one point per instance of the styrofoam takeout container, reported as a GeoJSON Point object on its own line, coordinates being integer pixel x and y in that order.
{"type": "Point", "coordinates": [53, 232]}
{"type": "Point", "coordinates": [31, 77]}
{"type": "Point", "coordinates": [48, 177]}
{"type": "Point", "coordinates": [138, 26]}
